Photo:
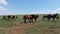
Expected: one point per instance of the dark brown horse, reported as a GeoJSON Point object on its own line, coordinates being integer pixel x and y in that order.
{"type": "Point", "coordinates": [12, 17]}
{"type": "Point", "coordinates": [33, 18]}
{"type": "Point", "coordinates": [49, 16]}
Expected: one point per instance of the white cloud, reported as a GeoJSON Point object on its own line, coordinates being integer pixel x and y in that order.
{"type": "Point", "coordinates": [50, 11]}
{"type": "Point", "coordinates": [3, 2]}
{"type": "Point", "coordinates": [57, 9]}
{"type": "Point", "coordinates": [2, 8]}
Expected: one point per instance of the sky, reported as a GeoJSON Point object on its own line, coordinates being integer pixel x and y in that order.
{"type": "Point", "coordinates": [18, 7]}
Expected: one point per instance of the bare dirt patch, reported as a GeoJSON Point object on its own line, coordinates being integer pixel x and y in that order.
{"type": "Point", "coordinates": [19, 29]}
{"type": "Point", "coordinates": [23, 28]}
{"type": "Point", "coordinates": [50, 31]}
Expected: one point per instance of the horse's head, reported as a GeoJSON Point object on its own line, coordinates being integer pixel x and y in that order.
{"type": "Point", "coordinates": [56, 14]}
{"type": "Point", "coordinates": [37, 16]}
{"type": "Point", "coordinates": [4, 17]}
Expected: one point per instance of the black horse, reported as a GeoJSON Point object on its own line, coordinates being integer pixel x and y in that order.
{"type": "Point", "coordinates": [32, 18]}
{"type": "Point", "coordinates": [49, 16]}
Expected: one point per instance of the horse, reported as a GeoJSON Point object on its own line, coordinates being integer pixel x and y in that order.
{"type": "Point", "coordinates": [4, 17]}
{"type": "Point", "coordinates": [49, 16]}
{"type": "Point", "coordinates": [16, 17]}
{"type": "Point", "coordinates": [12, 17]}
{"type": "Point", "coordinates": [46, 16]}
{"type": "Point", "coordinates": [8, 16]}
{"type": "Point", "coordinates": [30, 17]}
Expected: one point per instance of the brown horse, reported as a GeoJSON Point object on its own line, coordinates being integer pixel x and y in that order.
{"type": "Point", "coordinates": [4, 17]}
{"type": "Point", "coordinates": [33, 18]}
{"type": "Point", "coordinates": [10, 17]}
{"type": "Point", "coordinates": [49, 16]}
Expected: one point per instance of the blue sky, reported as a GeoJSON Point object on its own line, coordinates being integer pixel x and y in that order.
{"type": "Point", "coordinates": [29, 7]}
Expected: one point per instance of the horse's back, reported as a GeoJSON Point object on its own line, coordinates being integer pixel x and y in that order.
{"type": "Point", "coordinates": [27, 16]}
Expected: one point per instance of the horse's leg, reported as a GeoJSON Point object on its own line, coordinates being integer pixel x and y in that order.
{"type": "Point", "coordinates": [48, 19]}
{"type": "Point", "coordinates": [35, 20]}
{"type": "Point", "coordinates": [24, 20]}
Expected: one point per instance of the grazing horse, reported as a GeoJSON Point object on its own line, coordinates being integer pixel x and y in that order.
{"type": "Point", "coordinates": [12, 17]}
{"type": "Point", "coordinates": [46, 16]}
{"type": "Point", "coordinates": [4, 17]}
{"type": "Point", "coordinates": [51, 16]}
{"type": "Point", "coordinates": [8, 16]}
{"type": "Point", "coordinates": [31, 17]}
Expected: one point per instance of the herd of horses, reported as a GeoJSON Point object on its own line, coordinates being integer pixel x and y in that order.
{"type": "Point", "coordinates": [10, 17]}
{"type": "Point", "coordinates": [33, 18]}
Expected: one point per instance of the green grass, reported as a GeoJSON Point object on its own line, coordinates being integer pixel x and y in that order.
{"type": "Point", "coordinates": [44, 24]}
{"type": "Point", "coordinates": [10, 22]}
{"type": "Point", "coordinates": [35, 30]}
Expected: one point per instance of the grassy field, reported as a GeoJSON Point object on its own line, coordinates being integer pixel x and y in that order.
{"type": "Point", "coordinates": [10, 22]}
{"type": "Point", "coordinates": [41, 27]}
